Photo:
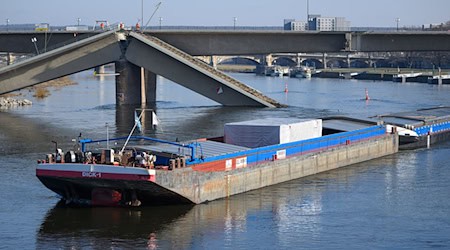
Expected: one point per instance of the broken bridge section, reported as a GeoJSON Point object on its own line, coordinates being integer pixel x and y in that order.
{"type": "Point", "coordinates": [132, 50]}
{"type": "Point", "coordinates": [79, 56]}
{"type": "Point", "coordinates": [166, 60]}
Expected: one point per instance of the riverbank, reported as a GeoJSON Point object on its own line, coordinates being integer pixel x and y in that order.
{"type": "Point", "coordinates": [237, 68]}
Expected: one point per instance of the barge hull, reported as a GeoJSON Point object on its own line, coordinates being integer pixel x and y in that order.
{"type": "Point", "coordinates": [422, 141]}
{"type": "Point", "coordinates": [79, 191]}
{"type": "Point", "coordinates": [200, 187]}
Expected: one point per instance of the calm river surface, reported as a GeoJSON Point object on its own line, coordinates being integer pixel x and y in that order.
{"type": "Point", "coordinates": [396, 202]}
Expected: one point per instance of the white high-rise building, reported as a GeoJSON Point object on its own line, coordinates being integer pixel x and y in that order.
{"type": "Point", "coordinates": [299, 25]}
{"type": "Point", "coordinates": [324, 23]}
{"type": "Point", "coordinates": [317, 22]}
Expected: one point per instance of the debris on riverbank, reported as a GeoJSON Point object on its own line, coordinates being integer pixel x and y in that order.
{"type": "Point", "coordinates": [7, 102]}
{"type": "Point", "coordinates": [41, 90]}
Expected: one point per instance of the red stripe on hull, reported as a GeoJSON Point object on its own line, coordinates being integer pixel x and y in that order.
{"type": "Point", "coordinates": [215, 166]}
{"type": "Point", "coordinates": [94, 175]}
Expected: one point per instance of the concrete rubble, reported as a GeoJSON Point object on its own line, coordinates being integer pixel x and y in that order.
{"type": "Point", "coordinates": [6, 102]}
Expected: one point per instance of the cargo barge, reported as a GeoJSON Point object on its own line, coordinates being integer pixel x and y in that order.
{"type": "Point", "coordinates": [249, 156]}
{"type": "Point", "coordinates": [419, 128]}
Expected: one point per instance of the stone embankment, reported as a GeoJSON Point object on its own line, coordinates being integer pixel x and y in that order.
{"type": "Point", "coordinates": [7, 102]}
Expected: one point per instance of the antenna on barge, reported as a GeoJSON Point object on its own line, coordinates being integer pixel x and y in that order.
{"type": "Point", "coordinates": [138, 124]}
{"type": "Point", "coordinates": [132, 131]}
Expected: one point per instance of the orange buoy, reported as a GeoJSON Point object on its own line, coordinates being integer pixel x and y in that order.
{"type": "Point", "coordinates": [367, 95]}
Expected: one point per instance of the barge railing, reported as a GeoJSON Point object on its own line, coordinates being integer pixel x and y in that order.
{"type": "Point", "coordinates": [300, 147]}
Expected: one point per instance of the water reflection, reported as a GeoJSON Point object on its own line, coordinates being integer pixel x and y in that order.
{"type": "Point", "coordinates": [65, 227]}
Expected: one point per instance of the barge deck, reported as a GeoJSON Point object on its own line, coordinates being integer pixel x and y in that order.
{"type": "Point", "coordinates": [202, 170]}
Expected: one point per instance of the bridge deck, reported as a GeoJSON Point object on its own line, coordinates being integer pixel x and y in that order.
{"type": "Point", "coordinates": [75, 57]}
{"type": "Point", "coordinates": [205, 81]}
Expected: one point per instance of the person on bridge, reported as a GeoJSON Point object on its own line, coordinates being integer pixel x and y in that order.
{"type": "Point", "coordinates": [138, 27]}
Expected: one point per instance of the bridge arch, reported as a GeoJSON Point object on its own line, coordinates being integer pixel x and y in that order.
{"type": "Point", "coordinates": [239, 60]}
{"type": "Point", "coordinates": [312, 62]}
{"type": "Point", "coordinates": [400, 63]}
{"type": "Point", "coordinates": [359, 63]}
{"type": "Point", "coordinates": [284, 61]}
{"type": "Point", "coordinates": [382, 63]}
{"type": "Point", "coordinates": [336, 63]}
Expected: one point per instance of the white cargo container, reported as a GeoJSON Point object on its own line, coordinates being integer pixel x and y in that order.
{"type": "Point", "coordinates": [271, 131]}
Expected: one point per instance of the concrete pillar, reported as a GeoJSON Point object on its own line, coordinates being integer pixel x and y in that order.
{"type": "Point", "coordinates": [128, 83]}
{"type": "Point", "coordinates": [9, 58]}
{"type": "Point", "coordinates": [213, 61]}
{"type": "Point", "coordinates": [299, 60]}
{"type": "Point", "coordinates": [100, 69]}
{"type": "Point", "coordinates": [371, 61]}
{"type": "Point", "coordinates": [149, 87]}
{"type": "Point", "coordinates": [348, 61]}
{"type": "Point", "coordinates": [324, 60]}
{"type": "Point", "coordinates": [268, 60]}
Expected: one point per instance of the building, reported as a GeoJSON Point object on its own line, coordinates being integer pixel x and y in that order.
{"type": "Point", "coordinates": [299, 25]}
{"type": "Point", "coordinates": [317, 22]}
{"type": "Point", "coordinates": [341, 24]}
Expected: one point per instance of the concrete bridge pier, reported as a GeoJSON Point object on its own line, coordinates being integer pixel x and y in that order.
{"type": "Point", "coordinates": [148, 87]}
{"type": "Point", "coordinates": [213, 61]}
{"type": "Point", "coordinates": [324, 60]}
{"type": "Point", "coordinates": [298, 60]}
{"type": "Point", "coordinates": [134, 85]}
{"type": "Point", "coordinates": [371, 61]}
{"type": "Point", "coordinates": [9, 58]}
{"type": "Point", "coordinates": [100, 69]}
{"type": "Point", "coordinates": [348, 61]}
{"type": "Point", "coordinates": [128, 83]}
{"type": "Point", "coordinates": [268, 60]}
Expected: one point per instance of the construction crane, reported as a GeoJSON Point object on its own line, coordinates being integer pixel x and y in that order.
{"type": "Point", "coordinates": [154, 12]}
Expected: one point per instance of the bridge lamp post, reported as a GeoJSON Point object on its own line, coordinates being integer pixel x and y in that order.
{"type": "Point", "coordinates": [397, 20]}
{"type": "Point", "coordinates": [78, 21]}
{"type": "Point", "coordinates": [160, 22]}
{"type": "Point", "coordinates": [34, 40]}
{"type": "Point", "coordinates": [7, 24]}
{"type": "Point", "coordinates": [234, 22]}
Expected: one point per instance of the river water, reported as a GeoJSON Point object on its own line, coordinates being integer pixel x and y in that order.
{"type": "Point", "coordinates": [398, 202]}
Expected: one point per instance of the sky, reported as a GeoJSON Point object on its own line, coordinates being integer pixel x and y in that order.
{"type": "Point", "coordinates": [361, 13]}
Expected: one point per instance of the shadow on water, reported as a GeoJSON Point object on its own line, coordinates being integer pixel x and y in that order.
{"type": "Point", "coordinates": [68, 227]}
{"type": "Point", "coordinates": [20, 134]}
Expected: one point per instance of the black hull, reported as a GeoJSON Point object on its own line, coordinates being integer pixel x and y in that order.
{"type": "Point", "coordinates": [79, 191]}
{"type": "Point", "coordinates": [406, 143]}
